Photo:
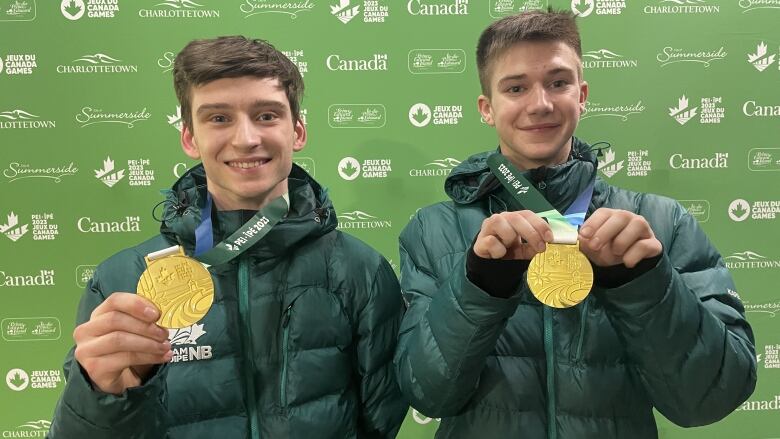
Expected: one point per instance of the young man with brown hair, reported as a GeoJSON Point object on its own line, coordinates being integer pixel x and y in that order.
{"type": "Point", "coordinates": [299, 339]}
{"type": "Point", "coordinates": [501, 346]}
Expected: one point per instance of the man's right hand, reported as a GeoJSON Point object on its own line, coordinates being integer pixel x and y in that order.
{"type": "Point", "coordinates": [120, 344]}
{"type": "Point", "coordinates": [512, 235]}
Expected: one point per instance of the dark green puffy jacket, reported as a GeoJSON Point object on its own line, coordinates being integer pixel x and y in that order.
{"type": "Point", "coordinates": [674, 338]}
{"type": "Point", "coordinates": [300, 336]}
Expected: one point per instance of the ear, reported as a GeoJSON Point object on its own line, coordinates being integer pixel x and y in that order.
{"type": "Point", "coordinates": [299, 135]}
{"type": "Point", "coordinates": [486, 110]}
{"type": "Point", "coordinates": [583, 95]}
{"type": "Point", "coordinates": [188, 142]}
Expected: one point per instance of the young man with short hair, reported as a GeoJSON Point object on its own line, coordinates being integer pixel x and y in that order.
{"type": "Point", "coordinates": [304, 318]}
{"type": "Point", "coordinates": [499, 346]}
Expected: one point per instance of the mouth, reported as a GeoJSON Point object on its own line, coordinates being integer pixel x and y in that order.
{"type": "Point", "coordinates": [540, 127]}
{"type": "Point", "coordinates": [247, 164]}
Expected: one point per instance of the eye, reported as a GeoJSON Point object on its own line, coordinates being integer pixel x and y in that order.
{"type": "Point", "coordinates": [515, 89]}
{"type": "Point", "coordinates": [559, 83]}
{"type": "Point", "coordinates": [218, 118]}
{"type": "Point", "coordinates": [267, 117]}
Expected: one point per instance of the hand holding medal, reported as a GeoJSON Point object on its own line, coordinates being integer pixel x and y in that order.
{"type": "Point", "coordinates": [125, 336]}
{"type": "Point", "coordinates": [560, 276]}
{"type": "Point", "coordinates": [513, 235]}
{"type": "Point", "coordinates": [612, 236]}
{"type": "Point", "coordinates": [181, 286]}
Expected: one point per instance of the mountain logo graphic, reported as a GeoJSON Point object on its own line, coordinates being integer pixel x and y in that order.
{"type": "Point", "coordinates": [98, 58]}
{"type": "Point", "coordinates": [449, 162]}
{"type": "Point", "coordinates": [684, 2]}
{"type": "Point", "coordinates": [745, 256]}
{"type": "Point", "coordinates": [41, 424]}
{"type": "Point", "coordinates": [17, 115]}
{"type": "Point", "coordinates": [180, 4]}
{"type": "Point", "coordinates": [356, 215]}
{"type": "Point", "coordinates": [601, 54]}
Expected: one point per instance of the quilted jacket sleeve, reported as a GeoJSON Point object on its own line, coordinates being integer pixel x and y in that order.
{"type": "Point", "coordinates": [448, 331]}
{"type": "Point", "coordinates": [83, 412]}
{"type": "Point", "coordinates": [685, 330]}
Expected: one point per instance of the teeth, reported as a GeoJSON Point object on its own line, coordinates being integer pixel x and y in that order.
{"type": "Point", "coordinates": [245, 165]}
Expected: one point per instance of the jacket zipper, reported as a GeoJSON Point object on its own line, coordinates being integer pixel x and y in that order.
{"type": "Point", "coordinates": [583, 322]}
{"type": "Point", "coordinates": [246, 342]}
{"type": "Point", "coordinates": [549, 353]}
{"type": "Point", "coordinates": [285, 347]}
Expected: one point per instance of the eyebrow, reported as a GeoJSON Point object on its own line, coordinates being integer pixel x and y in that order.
{"type": "Point", "coordinates": [522, 76]}
{"type": "Point", "coordinates": [260, 103]}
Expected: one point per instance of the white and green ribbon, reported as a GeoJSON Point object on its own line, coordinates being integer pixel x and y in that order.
{"type": "Point", "coordinates": [564, 226]}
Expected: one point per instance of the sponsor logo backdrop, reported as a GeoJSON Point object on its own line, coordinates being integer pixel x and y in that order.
{"type": "Point", "coordinates": [685, 92]}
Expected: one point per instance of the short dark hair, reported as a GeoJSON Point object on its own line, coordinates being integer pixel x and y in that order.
{"type": "Point", "coordinates": [549, 25]}
{"type": "Point", "coordinates": [203, 61]}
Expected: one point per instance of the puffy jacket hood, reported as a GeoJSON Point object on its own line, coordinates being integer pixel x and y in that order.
{"type": "Point", "coordinates": [311, 214]}
{"type": "Point", "coordinates": [472, 181]}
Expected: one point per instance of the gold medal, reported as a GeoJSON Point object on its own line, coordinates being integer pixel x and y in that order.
{"type": "Point", "coordinates": [180, 286]}
{"type": "Point", "coordinates": [561, 276]}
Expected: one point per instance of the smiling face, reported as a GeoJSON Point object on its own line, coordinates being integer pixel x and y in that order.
{"type": "Point", "coordinates": [243, 132]}
{"type": "Point", "coordinates": [536, 98]}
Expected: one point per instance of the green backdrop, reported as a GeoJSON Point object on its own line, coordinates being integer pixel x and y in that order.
{"type": "Point", "coordinates": [685, 91]}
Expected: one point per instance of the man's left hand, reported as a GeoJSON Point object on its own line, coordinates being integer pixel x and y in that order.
{"type": "Point", "coordinates": [613, 236]}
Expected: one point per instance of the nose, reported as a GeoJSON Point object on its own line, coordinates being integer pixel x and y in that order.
{"type": "Point", "coordinates": [246, 134]}
{"type": "Point", "coordinates": [539, 101]}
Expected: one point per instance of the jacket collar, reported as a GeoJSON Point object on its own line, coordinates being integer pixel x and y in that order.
{"type": "Point", "coordinates": [472, 181]}
{"type": "Point", "coordinates": [311, 214]}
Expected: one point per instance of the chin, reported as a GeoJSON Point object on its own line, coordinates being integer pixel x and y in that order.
{"type": "Point", "coordinates": [542, 153]}
{"type": "Point", "coordinates": [543, 150]}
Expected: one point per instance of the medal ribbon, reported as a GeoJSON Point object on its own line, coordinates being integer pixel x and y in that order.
{"type": "Point", "coordinates": [204, 238]}
{"type": "Point", "coordinates": [245, 237]}
{"type": "Point", "coordinates": [564, 227]}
